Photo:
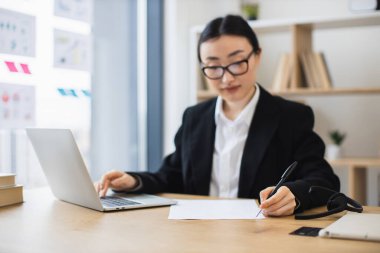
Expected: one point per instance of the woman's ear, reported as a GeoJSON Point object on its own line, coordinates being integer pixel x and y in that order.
{"type": "Point", "coordinates": [258, 55]}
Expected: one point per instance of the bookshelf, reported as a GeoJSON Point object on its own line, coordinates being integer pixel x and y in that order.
{"type": "Point", "coordinates": [206, 94]}
{"type": "Point", "coordinates": [302, 32]}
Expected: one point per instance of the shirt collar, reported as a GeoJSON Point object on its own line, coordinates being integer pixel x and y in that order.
{"type": "Point", "coordinates": [245, 115]}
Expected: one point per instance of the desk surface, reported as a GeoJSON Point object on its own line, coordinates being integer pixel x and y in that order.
{"type": "Point", "coordinates": [44, 224]}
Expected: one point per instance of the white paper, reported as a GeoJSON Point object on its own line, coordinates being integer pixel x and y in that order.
{"type": "Point", "coordinates": [79, 10]}
{"type": "Point", "coordinates": [17, 33]}
{"type": "Point", "coordinates": [214, 209]}
{"type": "Point", "coordinates": [17, 106]}
{"type": "Point", "coordinates": [72, 50]}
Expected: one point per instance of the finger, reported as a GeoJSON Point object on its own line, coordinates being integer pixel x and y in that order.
{"type": "Point", "coordinates": [104, 188]}
{"type": "Point", "coordinates": [278, 196]}
{"type": "Point", "coordinates": [101, 185]}
{"type": "Point", "coordinates": [111, 175]}
{"type": "Point", "coordinates": [265, 193]}
{"type": "Point", "coordinates": [288, 199]}
{"type": "Point", "coordinates": [287, 209]}
{"type": "Point", "coordinates": [97, 187]}
{"type": "Point", "coordinates": [272, 200]}
{"type": "Point", "coordinates": [105, 180]}
{"type": "Point", "coordinates": [102, 181]}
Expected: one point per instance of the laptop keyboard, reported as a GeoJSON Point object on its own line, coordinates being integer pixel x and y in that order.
{"type": "Point", "coordinates": [115, 201]}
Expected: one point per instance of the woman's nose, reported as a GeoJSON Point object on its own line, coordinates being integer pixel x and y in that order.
{"type": "Point", "coordinates": [227, 77]}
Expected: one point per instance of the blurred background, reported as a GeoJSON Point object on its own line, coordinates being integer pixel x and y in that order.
{"type": "Point", "coordinates": [120, 73]}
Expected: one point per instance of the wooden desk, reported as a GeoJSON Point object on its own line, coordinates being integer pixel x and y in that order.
{"type": "Point", "coordinates": [44, 224]}
{"type": "Point", "coordinates": [357, 175]}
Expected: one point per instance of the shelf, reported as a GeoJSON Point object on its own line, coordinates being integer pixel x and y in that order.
{"type": "Point", "coordinates": [205, 94]}
{"type": "Point", "coordinates": [357, 162]}
{"type": "Point", "coordinates": [334, 91]}
{"type": "Point", "coordinates": [368, 19]}
{"type": "Point", "coordinates": [284, 25]}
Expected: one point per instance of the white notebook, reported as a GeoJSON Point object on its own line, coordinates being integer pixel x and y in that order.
{"type": "Point", "coordinates": [357, 226]}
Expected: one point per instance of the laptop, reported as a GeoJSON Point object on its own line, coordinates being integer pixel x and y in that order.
{"type": "Point", "coordinates": [357, 226]}
{"type": "Point", "coordinates": [68, 176]}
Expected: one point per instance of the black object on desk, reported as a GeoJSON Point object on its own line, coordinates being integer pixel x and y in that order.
{"type": "Point", "coordinates": [306, 231]}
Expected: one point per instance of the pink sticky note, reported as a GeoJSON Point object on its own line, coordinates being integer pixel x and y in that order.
{"type": "Point", "coordinates": [11, 66]}
{"type": "Point", "coordinates": [25, 68]}
{"type": "Point", "coordinates": [5, 97]}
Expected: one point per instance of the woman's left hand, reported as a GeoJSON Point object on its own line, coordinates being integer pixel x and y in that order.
{"type": "Point", "coordinates": [280, 204]}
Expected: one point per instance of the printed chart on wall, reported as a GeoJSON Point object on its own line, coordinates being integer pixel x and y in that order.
{"type": "Point", "coordinates": [17, 105]}
{"type": "Point", "coordinates": [17, 33]}
{"type": "Point", "coordinates": [74, 9]}
{"type": "Point", "coordinates": [71, 50]}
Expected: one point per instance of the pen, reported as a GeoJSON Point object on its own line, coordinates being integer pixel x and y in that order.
{"type": "Point", "coordinates": [284, 176]}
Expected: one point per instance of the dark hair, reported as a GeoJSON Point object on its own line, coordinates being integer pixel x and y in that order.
{"type": "Point", "coordinates": [229, 25]}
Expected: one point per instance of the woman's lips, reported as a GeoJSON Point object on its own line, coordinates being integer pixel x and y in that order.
{"type": "Point", "coordinates": [231, 89]}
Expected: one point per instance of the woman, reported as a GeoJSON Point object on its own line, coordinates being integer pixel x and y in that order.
{"type": "Point", "coordinates": [240, 143]}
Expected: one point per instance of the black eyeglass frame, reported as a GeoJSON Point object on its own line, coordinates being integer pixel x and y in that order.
{"type": "Point", "coordinates": [226, 68]}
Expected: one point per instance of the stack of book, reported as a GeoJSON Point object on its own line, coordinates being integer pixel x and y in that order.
{"type": "Point", "coordinates": [282, 78]}
{"type": "Point", "coordinates": [314, 72]}
{"type": "Point", "coordinates": [10, 193]}
{"type": "Point", "coordinates": [314, 68]}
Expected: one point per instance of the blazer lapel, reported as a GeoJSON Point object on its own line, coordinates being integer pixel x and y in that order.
{"type": "Point", "coordinates": [263, 126]}
{"type": "Point", "coordinates": [202, 148]}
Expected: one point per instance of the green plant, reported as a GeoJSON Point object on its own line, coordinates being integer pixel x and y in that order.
{"type": "Point", "coordinates": [337, 137]}
{"type": "Point", "coordinates": [250, 11]}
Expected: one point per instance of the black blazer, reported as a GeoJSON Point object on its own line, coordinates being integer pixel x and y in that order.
{"type": "Point", "coordinates": [281, 132]}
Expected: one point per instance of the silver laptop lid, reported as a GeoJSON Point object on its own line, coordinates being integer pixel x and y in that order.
{"type": "Point", "coordinates": [360, 226]}
{"type": "Point", "coordinates": [64, 167]}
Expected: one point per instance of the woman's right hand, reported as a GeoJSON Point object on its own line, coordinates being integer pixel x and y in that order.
{"type": "Point", "coordinates": [116, 180]}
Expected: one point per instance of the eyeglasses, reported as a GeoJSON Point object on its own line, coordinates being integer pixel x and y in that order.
{"type": "Point", "coordinates": [236, 69]}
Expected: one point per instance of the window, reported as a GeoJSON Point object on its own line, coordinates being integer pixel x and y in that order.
{"type": "Point", "coordinates": [85, 69]}
{"type": "Point", "coordinates": [45, 60]}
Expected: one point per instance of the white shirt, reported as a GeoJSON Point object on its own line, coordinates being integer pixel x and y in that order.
{"type": "Point", "coordinates": [229, 144]}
